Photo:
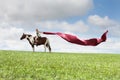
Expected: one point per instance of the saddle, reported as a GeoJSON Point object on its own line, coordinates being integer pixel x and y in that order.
{"type": "Point", "coordinates": [37, 40]}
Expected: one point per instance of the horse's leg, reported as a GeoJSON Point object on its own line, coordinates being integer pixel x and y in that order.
{"type": "Point", "coordinates": [48, 45]}
{"type": "Point", "coordinates": [45, 45]}
{"type": "Point", "coordinates": [45, 48]}
{"type": "Point", "coordinates": [33, 48]}
{"type": "Point", "coordinates": [49, 48]}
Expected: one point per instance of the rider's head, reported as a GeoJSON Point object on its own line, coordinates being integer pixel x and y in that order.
{"type": "Point", "coordinates": [36, 30]}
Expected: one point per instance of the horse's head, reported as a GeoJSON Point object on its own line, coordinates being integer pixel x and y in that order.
{"type": "Point", "coordinates": [23, 36]}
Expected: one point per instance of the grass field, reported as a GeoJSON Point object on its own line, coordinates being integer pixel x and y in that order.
{"type": "Point", "coordinates": [19, 65]}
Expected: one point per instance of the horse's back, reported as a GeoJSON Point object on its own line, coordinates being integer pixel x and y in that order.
{"type": "Point", "coordinates": [42, 40]}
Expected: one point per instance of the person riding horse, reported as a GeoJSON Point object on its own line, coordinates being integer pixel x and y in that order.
{"type": "Point", "coordinates": [42, 41]}
{"type": "Point", "coordinates": [38, 36]}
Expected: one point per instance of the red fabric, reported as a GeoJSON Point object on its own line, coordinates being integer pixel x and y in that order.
{"type": "Point", "coordinates": [73, 39]}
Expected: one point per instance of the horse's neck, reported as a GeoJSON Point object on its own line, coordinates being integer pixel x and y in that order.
{"type": "Point", "coordinates": [31, 39]}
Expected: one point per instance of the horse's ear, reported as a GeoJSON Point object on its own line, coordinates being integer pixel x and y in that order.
{"type": "Point", "coordinates": [23, 33]}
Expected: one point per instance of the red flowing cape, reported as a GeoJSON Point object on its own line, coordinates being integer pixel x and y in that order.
{"type": "Point", "coordinates": [73, 39]}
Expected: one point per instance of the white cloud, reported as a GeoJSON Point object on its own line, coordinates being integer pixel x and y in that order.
{"type": "Point", "coordinates": [9, 36]}
{"type": "Point", "coordinates": [35, 10]}
{"type": "Point", "coordinates": [101, 21]}
{"type": "Point", "coordinates": [105, 23]}
{"type": "Point", "coordinates": [78, 26]}
{"type": "Point", "coordinates": [112, 45]}
{"type": "Point", "coordinates": [10, 33]}
{"type": "Point", "coordinates": [26, 14]}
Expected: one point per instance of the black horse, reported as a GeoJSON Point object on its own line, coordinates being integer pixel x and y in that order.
{"type": "Point", "coordinates": [40, 41]}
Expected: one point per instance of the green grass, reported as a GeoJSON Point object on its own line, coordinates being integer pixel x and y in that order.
{"type": "Point", "coordinates": [19, 65]}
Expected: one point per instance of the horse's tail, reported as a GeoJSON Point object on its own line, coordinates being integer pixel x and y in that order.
{"type": "Point", "coordinates": [48, 45]}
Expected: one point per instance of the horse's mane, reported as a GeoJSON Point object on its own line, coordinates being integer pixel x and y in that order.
{"type": "Point", "coordinates": [29, 35]}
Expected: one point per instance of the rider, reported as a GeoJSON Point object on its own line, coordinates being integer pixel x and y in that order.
{"type": "Point", "coordinates": [38, 33]}
{"type": "Point", "coordinates": [38, 36]}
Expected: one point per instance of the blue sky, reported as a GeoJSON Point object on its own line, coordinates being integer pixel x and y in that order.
{"type": "Point", "coordinates": [83, 18]}
{"type": "Point", "coordinates": [107, 7]}
{"type": "Point", "coordinates": [102, 8]}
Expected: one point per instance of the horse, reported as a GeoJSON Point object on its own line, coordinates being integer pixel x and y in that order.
{"type": "Point", "coordinates": [40, 41]}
